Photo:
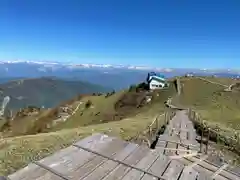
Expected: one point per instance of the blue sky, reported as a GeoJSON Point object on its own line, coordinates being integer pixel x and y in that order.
{"type": "Point", "coordinates": [162, 33]}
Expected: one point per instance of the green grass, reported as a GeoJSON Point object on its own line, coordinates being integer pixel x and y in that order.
{"type": "Point", "coordinates": [219, 110]}
{"type": "Point", "coordinates": [212, 102]}
{"type": "Point", "coordinates": [222, 80]}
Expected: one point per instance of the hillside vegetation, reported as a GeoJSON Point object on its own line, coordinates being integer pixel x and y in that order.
{"type": "Point", "coordinates": [125, 114]}
{"type": "Point", "coordinates": [214, 104]}
{"type": "Point", "coordinates": [46, 91]}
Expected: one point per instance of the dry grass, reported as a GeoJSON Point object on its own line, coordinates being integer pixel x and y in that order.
{"type": "Point", "coordinates": [219, 110]}
{"type": "Point", "coordinates": [221, 80]}
{"type": "Point", "coordinates": [16, 152]}
{"type": "Point", "coordinates": [102, 110]}
{"type": "Point", "coordinates": [214, 105]}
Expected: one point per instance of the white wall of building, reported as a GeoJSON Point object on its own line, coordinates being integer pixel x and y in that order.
{"type": "Point", "coordinates": [156, 84]}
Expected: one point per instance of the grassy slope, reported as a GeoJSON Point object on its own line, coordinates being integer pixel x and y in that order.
{"type": "Point", "coordinates": [221, 80]}
{"type": "Point", "coordinates": [16, 152]}
{"type": "Point", "coordinates": [212, 102]}
{"type": "Point", "coordinates": [100, 104]}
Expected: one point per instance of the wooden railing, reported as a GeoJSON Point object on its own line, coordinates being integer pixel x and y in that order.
{"type": "Point", "coordinates": [215, 134]}
{"type": "Point", "coordinates": [151, 132]}
{"type": "Point", "coordinates": [158, 124]}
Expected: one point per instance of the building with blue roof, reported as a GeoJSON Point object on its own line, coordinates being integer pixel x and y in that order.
{"type": "Point", "coordinates": [156, 81]}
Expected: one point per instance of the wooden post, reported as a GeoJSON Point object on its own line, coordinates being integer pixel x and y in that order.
{"type": "Point", "coordinates": [207, 140]}
{"type": "Point", "coordinates": [201, 139]}
{"type": "Point", "coordinates": [149, 131]}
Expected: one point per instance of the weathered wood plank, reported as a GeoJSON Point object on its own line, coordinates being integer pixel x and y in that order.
{"type": "Point", "coordinates": [108, 166]}
{"type": "Point", "coordinates": [183, 135]}
{"type": "Point", "coordinates": [202, 176]}
{"type": "Point", "coordinates": [144, 164]}
{"type": "Point", "coordinates": [48, 176]}
{"type": "Point", "coordinates": [90, 166]}
{"type": "Point", "coordinates": [171, 152]}
{"type": "Point", "coordinates": [177, 140]}
{"type": "Point", "coordinates": [32, 171]}
{"type": "Point", "coordinates": [212, 169]}
{"type": "Point", "coordinates": [174, 170]}
{"type": "Point", "coordinates": [58, 155]}
{"type": "Point", "coordinates": [78, 158]}
{"type": "Point", "coordinates": [160, 146]}
{"type": "Point", "coordinates": [160, 165]}
{"type": "Point", "coordinates": [51, 160]}
{"type": "Point", "coordinates": [180, 147]}
{"type": "Point", "coordinates": [189, 174]}
{"type": "Point", "coordinates": [94, 141]}
{"type": "Point", "coordinates": [120, 171]}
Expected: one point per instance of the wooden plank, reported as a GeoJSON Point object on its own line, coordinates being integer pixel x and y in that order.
{"type": "Point", "coordinates": [160, 165]}
{"type": "Point", "coordinates": [108, 166]}
{"type": "Point", "coordinates": [48, 176]}
{"type": "Point", "coordinates": [95, 140]}
{"type": "Point", "coordinates": [58, 155]}
{"type": "Point", "coordinates": [183, 156]}
{"type": "Point", "coordinates": [211, 168]}
{"type": "Point", "coordinates": [39, 174]}
{"type": "Point", "coordinates": [149, 177]}
{"type": "Point", "coordinates": [97, 137]}
{"type": "Point", "coordinates": [160, 146]}
{"type": "Point", "coordinates": [178, 142]}
{"type": "Point", "coordinates": [133, 159]}
{"type": "Point", "coordinates": [219, 170]}
{"type": "Point", "coordinates": [79, 157]}
{"type": "Point", "coordinates": [183, 135]}
{"type": "Point", "coordinates": [205, 173]}
{"type": "Point", "coordinates": [174, 170]}
{"type": "Point", "coordinates": [144, 164]}
{"type": "Point", "coordinates": [189, 174]}
{"type": "Point", "coordinates": [34, 168]}
{"type": "Point", "coordinates": [181, 150]}
{"type": "Point", "coordinates": [202, 176]}
{"type": "Point", "coordinates": [197, 162]}
{"type": "Point", "coordinates": [90, 166]}
{"type": "Point", "coordinates": [32, 171]}
{"type": "Point", "coordinates": [171, 152]}
{"type": "Point", "coordinates": [175, 140]}
{"type": "Point", "coordinates": [60, 160]}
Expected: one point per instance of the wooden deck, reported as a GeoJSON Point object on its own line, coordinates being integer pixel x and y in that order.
{"type": "Point", "coordinates": [100, 157]}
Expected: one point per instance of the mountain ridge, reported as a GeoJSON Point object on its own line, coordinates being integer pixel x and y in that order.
{"type": "Point", "coordinates": [45, 91]}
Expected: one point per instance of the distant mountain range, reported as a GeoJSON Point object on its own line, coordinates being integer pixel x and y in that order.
{"type": "Point", "coordinates": [46, 91]}
{"type": "Point", "coordinates": [113, 76]}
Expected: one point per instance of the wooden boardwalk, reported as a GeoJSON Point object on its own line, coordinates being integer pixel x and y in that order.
{"type": "Point", "coordinates": [179, 136]}
{"type": "Point", "coordinates": [100, 157]}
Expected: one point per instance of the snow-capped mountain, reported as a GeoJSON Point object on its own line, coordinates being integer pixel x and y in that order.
{"type": "Point", "coordinates": [84, 65]}
{"type": "Point", "coordinates": [115, 76]}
